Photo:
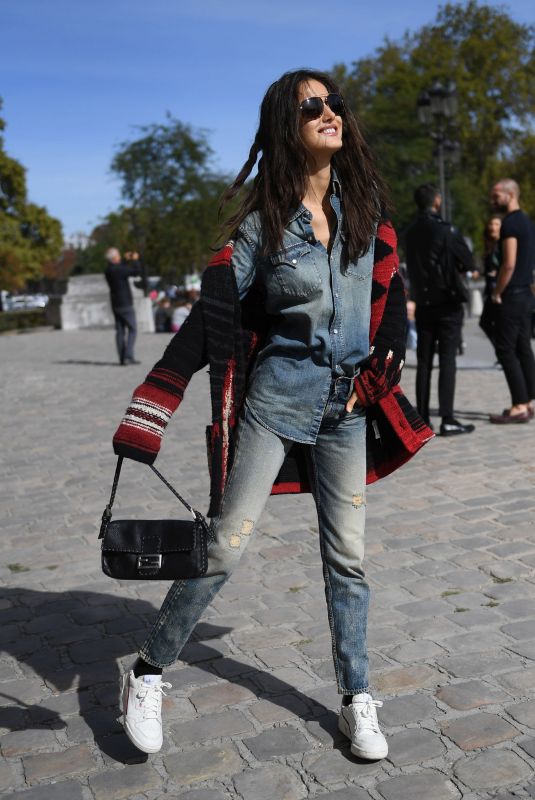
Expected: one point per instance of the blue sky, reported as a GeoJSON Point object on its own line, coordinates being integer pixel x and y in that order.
{"type": "Point", "coordinates": [76, 77]}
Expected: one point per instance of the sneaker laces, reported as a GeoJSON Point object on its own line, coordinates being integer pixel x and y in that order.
{"type": "Point", "coordinates": [366, 715]}
{"type": "Point", "coordinates": [150, 698]}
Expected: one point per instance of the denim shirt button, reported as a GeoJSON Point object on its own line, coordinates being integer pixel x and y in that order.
{"type": "Point", "coordinates": [335, 330]}
{"type": "Point", "coordinates": [294, 261]}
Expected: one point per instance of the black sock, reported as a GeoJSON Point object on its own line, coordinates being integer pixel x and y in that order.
{"type": "Point", "coordinates": [142, 668]}
{"type": "Point", "coordinates": [346, 699]}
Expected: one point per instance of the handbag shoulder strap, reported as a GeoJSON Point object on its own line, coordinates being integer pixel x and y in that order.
{"type": "Point", "coordinates": [106, 516]}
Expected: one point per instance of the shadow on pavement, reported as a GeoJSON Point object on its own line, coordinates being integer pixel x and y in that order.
{"type": "Point", "coordinates": [72, 641]}
{"type": "Point", "coordinates": [90, 363]}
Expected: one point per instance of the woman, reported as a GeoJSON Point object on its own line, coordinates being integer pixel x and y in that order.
{"type": "Point", "coordinates": [285, 320]}
{"type": "Point", "coordinates": [492, 258]}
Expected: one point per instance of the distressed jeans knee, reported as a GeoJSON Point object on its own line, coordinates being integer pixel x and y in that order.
{"type": "Point", "coordinates": [258, 457]}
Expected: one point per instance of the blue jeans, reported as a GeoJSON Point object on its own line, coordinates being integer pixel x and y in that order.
{"type": "Point", "coordinates": [339, 474]}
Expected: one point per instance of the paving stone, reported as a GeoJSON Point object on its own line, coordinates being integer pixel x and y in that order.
{"type": "Point", "coordinates": [325, 728]}
{"type": "Point", "coordinates": [212, 726]}
{"type": "Point", "coordinates": [118, 749]}
{"type": "Point", "coordinates": [520, 630]}
{"type": "Point", "coordinates": [350, 793]}
{"type": "Point", "coordinates": [492, 769]}
{"type": "Point", "coordinates": [53, 765]}
{"type": "Point", "coordinates": [474, 641]}
{"type": "Point", "coordinates": [280, 656]}
{"type": "Point", "coordinates": [479, 730]}
{"type": "Point", "coordinates": [424, 608]}
{"type": "Point", "coordinates": [186, 677]}
{"type": "Point", "coordinates": [23, 691]}
{"type": "Point", "coordinates": [511, 590]}
{"type": "Point", "coordinates": [203, 764]}
{"type": "Point", "coordinates": [431, 628]}
{"type": "Point", "coordinates": [476, 664]}
{"type": "Point", "coordinates": [332, 768]}
{"type": "Point", "coordinates": [414, 747]}
{"type": "Point", "coordinates": [122, 784]}
{"type": "Point", "coordinates": [199, 794]}
{"type": "Point", "coordinates": [418, 786]}
{"type": "Point", "coordinates": [528, 745]}
{"type": "Point", "coordinates": [62, 790]}
{"type": "Point", "coordinates": [213, 698]}
{"type": "Point", "coordinates": [93, 723]}
{"type": "Point", "coordinates": [267, 783]}
{"type": "Point", "coordinates": [277, 742]}
{"type": "Point", "coordinates": [464, 696]}
{"type": "Point", "coordinates": [20, 742]}
{"type": "Point", "coordinates": [394, 681]}
{"type": "Point", "coordinates": [516, 609]}
{"type": "Point", "coordinates": [407, 708]}
{"type": "Point", "coordinates": [526, 649]}
{"type": "Point", "coordinates": [523, 713]}
{"type": "Point", "coordinates": [523, 679]}
{"type": "Point", "coordinates": [250, 641]}
{"type": "Point", "coordinates": [279, 709]}
{"type": "Point", "coordinates": [7, 777]}
{"type": "Point", "coordinates": [415, 651]}
{"type": "Point", "coordinates": [85, 652]}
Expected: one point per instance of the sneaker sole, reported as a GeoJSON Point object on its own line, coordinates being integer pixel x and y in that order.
{"type": "Point", "coordinates": [344, 728]}
{"type": "Point", "coordinates": [140, 746]}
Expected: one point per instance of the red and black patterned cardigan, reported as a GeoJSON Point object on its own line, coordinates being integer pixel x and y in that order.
{"type": "Point", "coordinates": [226, 334]}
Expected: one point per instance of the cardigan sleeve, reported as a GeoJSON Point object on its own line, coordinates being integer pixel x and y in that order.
{"type": "Point", "coordinates": [381, 371]}
{"type": "Point", "coordinates": [140, 432]}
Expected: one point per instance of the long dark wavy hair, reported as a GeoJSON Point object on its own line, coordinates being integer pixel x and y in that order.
{"type": "Point", "coordinates": [282, 177]}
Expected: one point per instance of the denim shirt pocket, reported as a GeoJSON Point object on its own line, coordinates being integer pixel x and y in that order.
{"type": "Point", "coordinates": [363, 266]}
{"type": "Point", "coordinates": [294, 271]}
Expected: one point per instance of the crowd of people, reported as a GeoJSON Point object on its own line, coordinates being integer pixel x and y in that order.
{"type": "Point", "coordinates": [437, 256]}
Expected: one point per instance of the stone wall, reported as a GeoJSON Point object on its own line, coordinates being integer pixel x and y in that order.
{"type": "Point", "coordinates": [86, 304]}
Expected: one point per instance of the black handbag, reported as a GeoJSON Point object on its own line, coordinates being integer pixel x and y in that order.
{"type": "Point", "coordinates": [153, 549]}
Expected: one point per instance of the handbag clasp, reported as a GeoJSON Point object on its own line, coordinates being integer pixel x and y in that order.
{"type": "Point", "coordinates": [150, 562]}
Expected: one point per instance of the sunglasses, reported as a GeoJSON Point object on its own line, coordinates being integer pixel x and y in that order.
{"type": "Point", "coordinates": [312, 107]}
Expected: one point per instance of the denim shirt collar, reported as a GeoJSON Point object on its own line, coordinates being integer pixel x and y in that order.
{"type": "Point", "coordinates": [336, 187]}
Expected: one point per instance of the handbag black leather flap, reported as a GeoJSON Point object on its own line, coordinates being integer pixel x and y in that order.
{"type": "Point", "coordinates": [166, 536]}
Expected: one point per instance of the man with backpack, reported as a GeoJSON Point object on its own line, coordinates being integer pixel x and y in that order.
{"type": "Point", "coordinates": [436, 256]}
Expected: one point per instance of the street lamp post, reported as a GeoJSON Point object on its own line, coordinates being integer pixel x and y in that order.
{"type": "Point", "coordinates": [437, 106]}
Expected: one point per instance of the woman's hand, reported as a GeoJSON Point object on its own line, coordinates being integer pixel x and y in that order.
{"type": "Point", "coordinates": [351, 402]}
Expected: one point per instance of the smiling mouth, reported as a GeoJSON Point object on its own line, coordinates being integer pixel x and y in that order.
{"type": "Point", "coordinates": [330, 131]}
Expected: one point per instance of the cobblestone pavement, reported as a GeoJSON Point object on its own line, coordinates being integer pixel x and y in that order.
{"type": "Point", "coordinates": [252, 712]}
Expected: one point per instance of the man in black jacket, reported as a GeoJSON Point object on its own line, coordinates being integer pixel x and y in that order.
{"type": "Point", "coordinates": [117, 274]}
{"type": "Point", "coordinates": [436, 255]}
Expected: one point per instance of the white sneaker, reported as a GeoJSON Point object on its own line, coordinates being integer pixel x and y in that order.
{"type": "Point", "coordinates": [359, 723]}
{"type": "Point", "coordinates": [141, 703]}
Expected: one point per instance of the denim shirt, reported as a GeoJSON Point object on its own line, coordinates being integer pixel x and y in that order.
{"type": "Point", "coordinates": [320, 329]}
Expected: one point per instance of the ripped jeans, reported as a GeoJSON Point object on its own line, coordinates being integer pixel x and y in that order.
{"type": "Point", "coordinates": [339, 474]}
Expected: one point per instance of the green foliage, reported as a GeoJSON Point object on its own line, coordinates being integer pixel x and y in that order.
{"type": "Point", "coordinates": [29, 236]}
{"type": "Point", "coordinates": [171, 195]}
{"type": "Point", "coordinates": [491, 59]}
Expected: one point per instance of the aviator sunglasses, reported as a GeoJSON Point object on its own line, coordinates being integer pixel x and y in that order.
{"type": "Point", "coordinates": [312, 107]}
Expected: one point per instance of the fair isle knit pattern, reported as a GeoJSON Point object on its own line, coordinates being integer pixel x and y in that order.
{"type": "Point", "coordinates": [226, 334]}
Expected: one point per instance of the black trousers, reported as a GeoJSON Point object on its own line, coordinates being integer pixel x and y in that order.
{"type": "Point", "coordinates": [437, 324]}
{"type": "Point", "coordinates": [125, 332]}
{"type": "Point", "coordinates": [513, 344]}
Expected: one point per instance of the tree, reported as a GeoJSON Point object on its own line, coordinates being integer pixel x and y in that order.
{"type": "Point", "coordinates": [171, 194]}
{"type": "Point", "coordinates": [29, 236]}
{"type": "Point", "coordinates": [491, 59]}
